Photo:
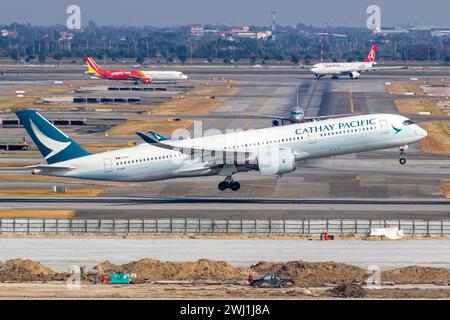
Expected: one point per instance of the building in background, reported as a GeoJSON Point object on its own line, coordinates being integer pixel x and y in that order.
{"type": "Point", "coordinates": [196, 30]}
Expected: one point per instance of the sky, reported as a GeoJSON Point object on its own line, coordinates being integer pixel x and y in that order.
{"type": "Point", "coordinates": [230, 12]}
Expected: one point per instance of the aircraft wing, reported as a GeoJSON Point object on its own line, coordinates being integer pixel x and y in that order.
{"type": "Point", "coordinates": [261, 116]}
{"type": "Point", "coordinates": [272, 117]}
{"type": "Point", "coordinates": [213, 155]}
{"type": "Point", "coordinates": [384, 68]}
{"type": "Point", "coordinates": [139, 78]}
{"type": "Point", "coordinates": [332, 116]}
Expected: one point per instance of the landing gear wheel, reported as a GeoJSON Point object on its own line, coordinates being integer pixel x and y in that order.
{"type": "Point", "coordinates": [235, 186]}
{"type": "Point", "coordinates": [402, 161]}
{"type": "Point", "coordinates": [222, 186]}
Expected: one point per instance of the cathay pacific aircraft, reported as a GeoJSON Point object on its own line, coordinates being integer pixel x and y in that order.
{"type": "Point", "coordinates": [271, 151]}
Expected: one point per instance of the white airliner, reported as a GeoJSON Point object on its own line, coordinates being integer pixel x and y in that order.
{"type": "Point", "coordinates": [350, 69]}
{"type": "Point", "coordinates": [132, 75]}
{"type": "Point", "coordinates": [296, 115]}
{"type": "Point", "coordinates": [271, 151]}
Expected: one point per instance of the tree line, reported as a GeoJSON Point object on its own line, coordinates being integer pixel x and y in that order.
{"type": "Point", "coordinates": [299, 44]}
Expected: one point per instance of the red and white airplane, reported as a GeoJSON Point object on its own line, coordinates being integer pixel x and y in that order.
{"type": "Point", "coordinates": [132, 75]}
{"type": "Point", "coordinates": [350, 69]}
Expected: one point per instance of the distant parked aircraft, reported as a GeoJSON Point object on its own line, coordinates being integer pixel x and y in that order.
{"type": "Point", "coordinates": [132, 75]}
{"type": "Point", "coordinates": [350, 69]}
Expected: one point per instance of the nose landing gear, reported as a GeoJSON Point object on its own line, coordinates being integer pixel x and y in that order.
{"type": "Point", "coordinates": [402, 159]}
{"type": "Point", "coordinates": [229, 183]}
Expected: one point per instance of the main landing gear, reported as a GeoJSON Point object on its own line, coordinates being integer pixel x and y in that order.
{"type": "Point", "coordinates": [229, 183]}
{"type": "Point", "coordinates": [402, 159]}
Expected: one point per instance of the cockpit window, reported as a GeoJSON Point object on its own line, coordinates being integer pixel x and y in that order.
{"type": "Point", "coordinates": [408, 122]}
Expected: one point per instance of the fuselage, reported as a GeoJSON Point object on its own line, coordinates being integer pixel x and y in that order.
{"type": "Point", "coordinates": [307, 140]}
{"type": "Point", "coordinates": [323, 69]}
{"type": "Point", "coordinates": [132, 75]}
{"type": "Point", "coordinates": [165, 75]}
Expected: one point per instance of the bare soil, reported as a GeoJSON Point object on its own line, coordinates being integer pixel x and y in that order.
{"type": "Point", "coordinates": [29, 279]}
{"type": "Point", "coordinates": [304, 273]}
{"type": "Point", "coordinates": [414, 106]}
{"type": "Point", "coordinates": [438, 139]}
{"type": "Point", "coordinates": [59, 290]}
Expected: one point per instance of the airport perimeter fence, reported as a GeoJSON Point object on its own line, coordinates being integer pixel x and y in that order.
{"type": "Point", "coordinates": [425, 228]}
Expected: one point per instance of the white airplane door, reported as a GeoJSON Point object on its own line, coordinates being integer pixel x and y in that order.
{"type": "Point", "coordinates": [107, 165]}
{"type": "Point", "coordinates": [312, 137]}
{"type": "Point", "coordinates": [384, 126]}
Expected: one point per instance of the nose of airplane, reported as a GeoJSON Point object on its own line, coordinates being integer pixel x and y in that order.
{"type": "Point", "coordinates": [183, 76]}
{"type": "Point", "coordinates": [422, 133]}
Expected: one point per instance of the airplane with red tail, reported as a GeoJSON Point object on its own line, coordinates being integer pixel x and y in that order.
{"type": "Point", "coordinates": [137, 76]}
{"type": "Point", "coordinates": [350, 69]}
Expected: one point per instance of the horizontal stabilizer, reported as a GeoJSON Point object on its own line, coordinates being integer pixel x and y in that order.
{"type": "Point", "coordinates": [146, 138]}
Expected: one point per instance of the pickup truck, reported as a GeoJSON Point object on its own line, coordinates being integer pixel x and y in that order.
{"type": "Point", "coordinates": [271, 281]}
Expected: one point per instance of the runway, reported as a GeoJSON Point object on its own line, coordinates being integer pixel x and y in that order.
{"type": "Point", "coordinates": [234, 208]}
{"type": "Point", "coordinates": [60, 253]}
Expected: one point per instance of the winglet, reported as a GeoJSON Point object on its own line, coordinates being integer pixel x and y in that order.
{"type": "Point", "coordinates": [158, 136]}
{"type": "Point", "coordinates": [153, 141]}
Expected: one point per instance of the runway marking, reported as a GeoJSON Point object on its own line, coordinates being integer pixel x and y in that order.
{"type": "Point", "coordinates": [248, 123]}
{"type": "Point", "coordinates": [352, 105]}
{"type": "Point", "coordinates": [264, 106]}
{"type": "Point", "coordinates": [311, 95]}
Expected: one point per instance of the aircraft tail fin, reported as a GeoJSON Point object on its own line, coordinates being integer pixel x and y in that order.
{"type": "Point", "coordinates": [54, 145]}
{"type": "Point", "coordinates": [371, 55]}
{"type": "Point", "coordinates": [93, 67]}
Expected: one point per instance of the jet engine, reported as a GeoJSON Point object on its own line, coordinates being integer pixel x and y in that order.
{"type": "Point", "coordinates": [354, 75]}
{"type": "Point", "coordinates": [276, 123]}
{"type": "Point", "coordinates": [276, 161]}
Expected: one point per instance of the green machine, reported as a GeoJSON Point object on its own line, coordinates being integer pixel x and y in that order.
{"type": "Point", "coordinates": [120, 278]}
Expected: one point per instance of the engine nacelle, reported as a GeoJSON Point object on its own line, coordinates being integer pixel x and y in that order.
{"type": "Point", "coordinates": [354, 75]}
{"type": "Point", "coordinates": [276, 123]}
{"type": "Point", "coordinates": [276, 161]}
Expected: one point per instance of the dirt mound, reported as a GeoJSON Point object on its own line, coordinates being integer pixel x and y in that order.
{"type": "Point", "coordinates": [25, 270]}
{"type": "Point", "coordinates": [150, 269]}
{"type": "Point", "coordinates": [348, 290]}
{"type": "Point", "coordinates": [416, 274]}
{"type": "Point", "coordinates": [312, 274]}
